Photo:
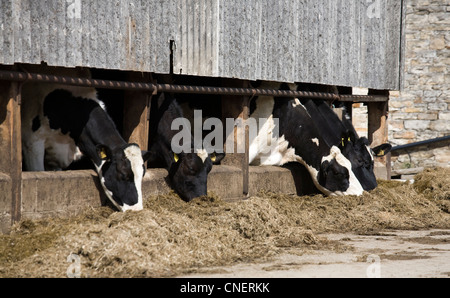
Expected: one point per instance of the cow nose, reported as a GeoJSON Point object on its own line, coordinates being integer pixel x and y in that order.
{"type": "Point", "coordinates": [135, 207]}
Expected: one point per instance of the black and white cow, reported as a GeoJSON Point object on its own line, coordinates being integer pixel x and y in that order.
{"type": "Point", "coordinates": [299, 140]}
{"type": "Point", "coordinates": [342, 134]}
{"type": "Point", "coordinates": [188, 171]}
{"type": "Point", "coordinates": [61, 123]}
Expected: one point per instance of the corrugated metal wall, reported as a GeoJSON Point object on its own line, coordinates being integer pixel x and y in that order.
{"type": "Point", "coordinates": [113, 34]}
{"type": "Point", "coordinates": [345, 42]}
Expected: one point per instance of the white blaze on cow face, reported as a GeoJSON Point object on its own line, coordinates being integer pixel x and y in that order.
{"type": "Point", "coordinates": [134, 155]}
{"type": "Point", "coordinates": [202, 154]}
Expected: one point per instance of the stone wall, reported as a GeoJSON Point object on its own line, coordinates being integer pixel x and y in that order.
{"type": "Point", "coordinates": [421, 110]}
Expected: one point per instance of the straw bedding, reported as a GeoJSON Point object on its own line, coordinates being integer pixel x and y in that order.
{"type": "Point", "coordinates": [171, 237]}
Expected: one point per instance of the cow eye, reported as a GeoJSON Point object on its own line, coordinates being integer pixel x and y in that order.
{"type": "Point", "coordinates": [190, 170]}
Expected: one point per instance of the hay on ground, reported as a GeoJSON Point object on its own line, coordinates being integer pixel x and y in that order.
{"type": "Point", "coordinates": [171, 237]}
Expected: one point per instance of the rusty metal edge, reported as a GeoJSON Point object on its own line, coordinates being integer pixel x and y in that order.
{"type": "Point", "coordinates": [151, 87]}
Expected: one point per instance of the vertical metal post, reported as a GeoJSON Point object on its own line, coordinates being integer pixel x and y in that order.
{"type": "Point", "coordinates": [245, 166]}
{"type": "Point", "coordinates": [237, 107]}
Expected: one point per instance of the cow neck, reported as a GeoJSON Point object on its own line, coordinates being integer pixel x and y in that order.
{"type": "Point", "coordinates": [99, 130]}
{"type": "Point", "coordinates": [310, 153]}
{"type": "Point", "coordinates": [164, 110]}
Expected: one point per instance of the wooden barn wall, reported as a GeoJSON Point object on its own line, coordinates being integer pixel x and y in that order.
{"type": "Point", "coordinates": [346, 42]}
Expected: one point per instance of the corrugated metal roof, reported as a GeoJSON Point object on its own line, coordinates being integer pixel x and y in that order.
{"type": "Point", "coordinates": [345, 42]}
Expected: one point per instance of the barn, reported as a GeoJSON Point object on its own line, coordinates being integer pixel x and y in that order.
{"type": "Point", "coordinates": [206, 51]}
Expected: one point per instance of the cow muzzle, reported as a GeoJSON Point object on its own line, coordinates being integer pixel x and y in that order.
{"type": "Point", "coordinates": [135, 207]}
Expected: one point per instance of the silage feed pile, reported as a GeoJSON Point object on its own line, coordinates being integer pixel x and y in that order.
{"type": "Point", "coordinates": [171, 237]}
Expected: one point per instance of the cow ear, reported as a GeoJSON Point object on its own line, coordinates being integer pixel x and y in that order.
{"type": "Point", "coordinates": [348, 136]}
{"type": "Point", "coordinates": [382, 149]}
{"type": "Point", "coordinates": [103, 152]}
{"type": "Point", "coordinates": [216, 157]}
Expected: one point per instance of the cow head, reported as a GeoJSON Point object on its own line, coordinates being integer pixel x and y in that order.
{"type": "Point", "coordinates": [121, 171]}
{"type": "Point", "coordinates": [335, 175]}
{"type": "Point", "coordinates": [188, 173]}
{"type": "Point", "coordinates": [361, 156]}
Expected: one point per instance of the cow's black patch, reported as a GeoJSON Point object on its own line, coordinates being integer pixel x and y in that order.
{"type": "Point", "coordinates": [36, 123]}
{"type": "Point", "coordinates": [67, 112]}
{"type": "Point", "coordinates": [333, 176]}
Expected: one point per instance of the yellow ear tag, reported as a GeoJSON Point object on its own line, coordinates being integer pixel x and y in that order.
{"type": "Point", "coordinates": [213, 157]}
{"type": "Point", "coordinates": [103, 154]}
{"type": "Point", "coordinates": [175, 157]}
{"type": "Point", "coordinates": [381, 153]}
{"type": "Point", "coordinates": [342, 141]}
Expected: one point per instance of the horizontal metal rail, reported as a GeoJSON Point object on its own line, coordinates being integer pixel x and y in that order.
{"type": "Point", "coordinates": [150, 87]}
{"type": "Point", "coordinates": [420, 143]}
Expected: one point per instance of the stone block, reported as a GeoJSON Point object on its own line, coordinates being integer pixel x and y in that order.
{"type": "Point", "coordinates": [437, 43]}
{"type": "Point", "coordinates": [402, 116]}
{"type": "Point", "coordinates": [395, 125]}
{"type": "Point", "coordinates": [428, 116]}
{"type": "Point", "coordinates": [437, 106]}
{"type": "Point", "coordinates": [440, 125]}
{"type": "Point", "coordinates": [442, 156]}
{"type": "Point", "coordinates": [405, 135]}
{"type": "Point", "coordinates": [444, 116]}
{"type": "Point", "coordinates": [400, 103]}
{"type": "Point", "coordinates": [412, 110]}
{"type": "Point", "coordinates": [417, 124]}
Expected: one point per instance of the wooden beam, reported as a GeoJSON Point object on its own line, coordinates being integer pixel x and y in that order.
{"type": "Point", "coordinates": [237, 107]}
{"type": "Point", "coordinates": [136, 112]}
{"type": "Point", "coordinates": [11, 148]}
{"type": "Point", "coordinates": [378, 131]}
{"type": "Point", "coordinates": [5, 160]}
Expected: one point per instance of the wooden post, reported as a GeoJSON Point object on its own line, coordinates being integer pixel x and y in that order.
{"type": "Point", "coordinates": [237, 107]}
{"type": "Point", "coordinates": [16, 151]}
{"type": "Point", "coordinates": [378, 131]}
{"type": "Point", "coordinates": [136, 111]}
{"type": "Point", "coordinates": [11, 150]}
